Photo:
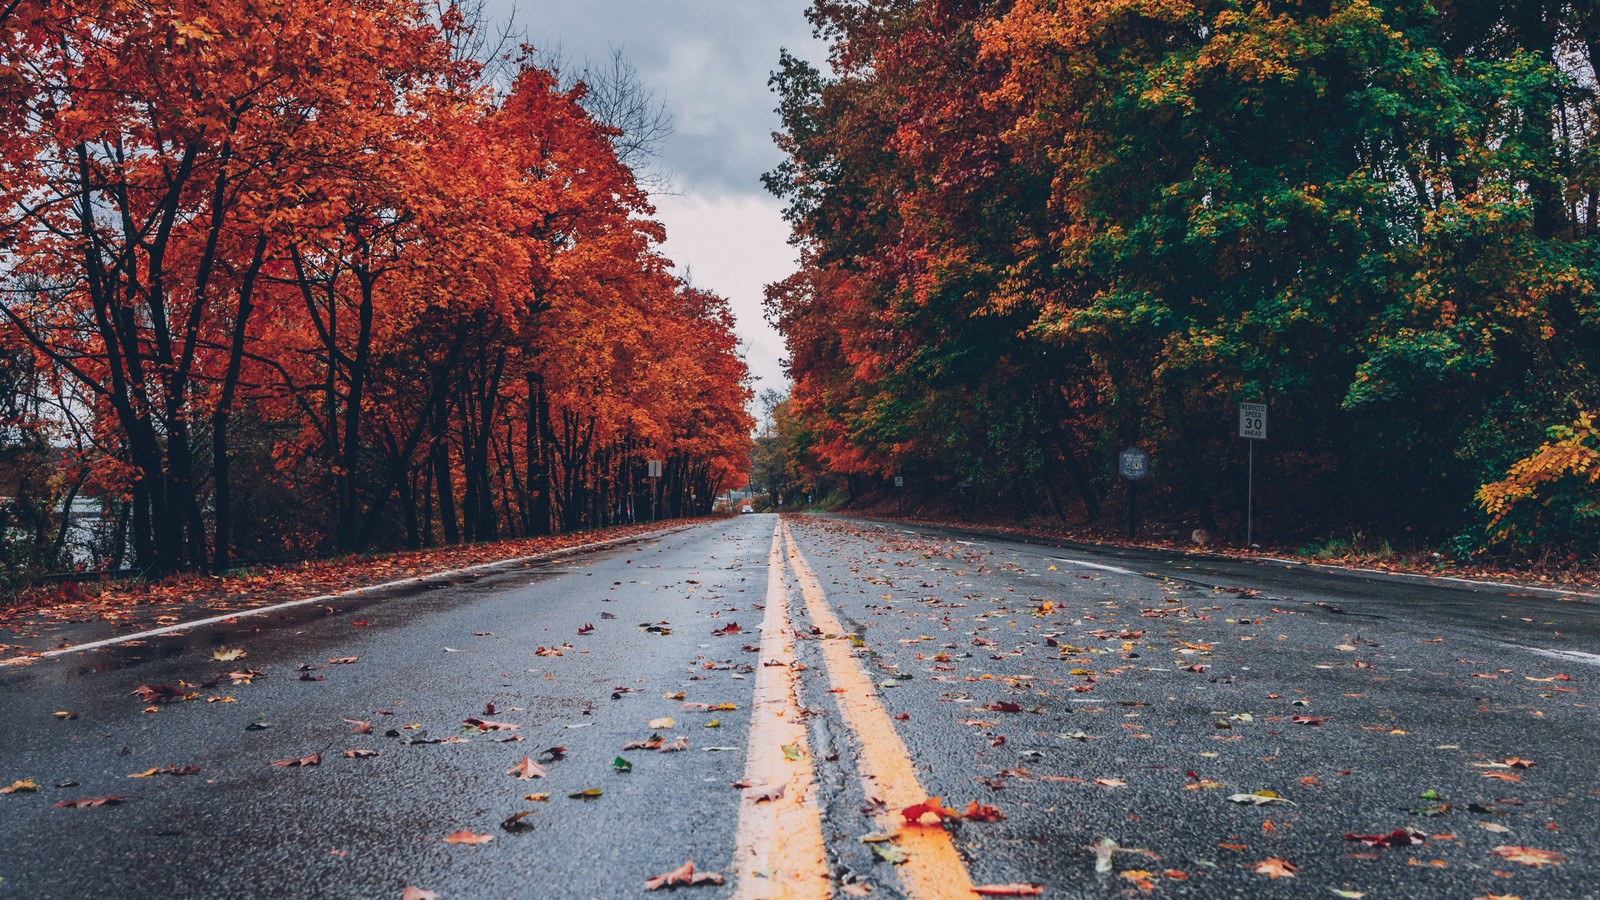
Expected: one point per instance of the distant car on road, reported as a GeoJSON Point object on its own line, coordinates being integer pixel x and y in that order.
{"type": "Point", "coordinates": [747, 508]}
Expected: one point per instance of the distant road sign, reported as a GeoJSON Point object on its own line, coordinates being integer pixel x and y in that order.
{"type": "Point", "coordinates": [1253, 421]}
{"type": "Point", "coordinates": [899, 481]}
{"type": "Point", "coordinates": [1133, 463]}
{"type": "Point", "coordinates": [654, 468]}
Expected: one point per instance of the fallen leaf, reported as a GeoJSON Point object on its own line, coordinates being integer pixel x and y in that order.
{"type": "Point", "coordinates": [22, 786]}
{"type": "Point", "coordinates": [661, 723]}
{"type": "Point", "coordinates": [359, 754]}
{"type": "Point", "coordinates": [932, 806]}
{"type": "Point", "coordinates": [483, 726]}
{"type": "Point", "coordinates": [621, 765]}
{"type": "Point", "coordinates": [1103, 850]}
{"type": "Point", "coordinates": [1110, 782]}
{"type": "Point", "coordinates": [416, 893]}
{"type": "Point", "coordinates": [684, 875]}
{"type": "Point", "coordinates": [764, 793]}
{"type": "Point", "coordinates": [526, 769]}
{"type": "Point", "coordinates": [468, 838]}
{"type": "Point", "coordinates": [1400, 837]}
{"type": "Point", "coordinates": [90, 802]}
{"type": "Point", "coordinates": [515, 823]}
{"type": "Point", "coordinates": [359, 727]}
{"type": "Point", "coordinates": [314, 759]}
{"type": "Point", "coordinates": [977, 812]}
{"type": "Point", "coordinates": [1528, 856]}
{"type": "Point", "coordinates": [343, 660]}
{"type": "Point", "coordinates": [1275, 868]}
{"type": "Point", "coordinates": [158, 693]}
{"type": "Point", "coordinates": [1259, 798]}
{"type": "Point", "coordinates": [226, 654]}
{"type": "Point", "coordinates": [167, 770]}
{"type": "Point", "coordinates": [1142, 879]}
{"type": "Point", "coordinates": [889, 853]}
{"type": "Point", "coordinates": [586, 794]}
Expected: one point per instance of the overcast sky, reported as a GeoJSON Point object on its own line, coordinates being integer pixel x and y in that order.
{"type": "Point", "coordinates": [709, 61]}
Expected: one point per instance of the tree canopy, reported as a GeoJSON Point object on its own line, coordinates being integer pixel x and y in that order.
{"type": "Point", "coordinates": [1037, 232]}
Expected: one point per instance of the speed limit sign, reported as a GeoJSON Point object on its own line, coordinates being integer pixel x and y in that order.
{"type": "Point", "coordinates": [1253, 421]}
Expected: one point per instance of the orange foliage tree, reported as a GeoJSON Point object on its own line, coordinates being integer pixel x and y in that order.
{"type": "Point", "coordinates": [298, 267]}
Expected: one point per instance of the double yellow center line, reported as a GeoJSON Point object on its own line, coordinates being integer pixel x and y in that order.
{"type": "Point", "coordinates": [780, 846]}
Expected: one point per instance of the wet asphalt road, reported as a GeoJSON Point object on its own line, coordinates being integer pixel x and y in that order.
{"type": "Point", "coordinates": [1087, 696]}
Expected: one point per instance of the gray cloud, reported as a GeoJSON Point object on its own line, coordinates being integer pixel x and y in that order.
{"type": "Point", "coordinates": [708, 59]}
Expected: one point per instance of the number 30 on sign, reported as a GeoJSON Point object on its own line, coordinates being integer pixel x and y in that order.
{"type": "Point", "coordinates": [1253, 421]}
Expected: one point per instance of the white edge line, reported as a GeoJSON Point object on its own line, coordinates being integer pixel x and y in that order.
{"type": "Point", "coordinates": [1389, 573]}
{"type": "Point", "coordinates": [1577, 656]}
{"type": "Point", "coordinates": [263, 610]}
{"type": "Point", "coordinates": [1079, 562]}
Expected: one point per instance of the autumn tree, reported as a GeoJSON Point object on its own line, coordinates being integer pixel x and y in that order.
{"type": "Point", "coordinates": [1036, 232]}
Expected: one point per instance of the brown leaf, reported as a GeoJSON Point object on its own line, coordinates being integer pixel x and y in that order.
{"type": "Point", "coordinates": [1400, 837]}
{"type": "Point", "coordinates": [359, 727]}
{"type": "Point", "coordinates": [978, 812]}
{"type": "Point", "coordinates": [468, 838]}
{"type": "Point", "coordinates": [684, 875]}
{"type": "Point", "coordinates": [765, 792]}
{"type": "Point", "coordinates": [515, 823]}
{"type": "Point", "coordinates": [343, 660]}
{"type": "Point", "coordinates": [526, 769]}
{"type": "Point", "coordinates": [88, 802]}
{"type": "Point", "coordinates": [1528, 856]}
{"type": "Point", "coordinates": [359, 754]}
{"type": "Point", "coordinates": [416, 893]}
{"type": "Point", "coordinates": [314, 759]}
{"type": "Point", "coordinates": [22, 786]}
{"type": "Point", "coordinates": [1275, 868]}
{"type": "Point", "coordinates": [167, 770]}
{"type": "Point", "coordinates": [486, 725]}
{"type": "Point", "coordinates": [159, 693]}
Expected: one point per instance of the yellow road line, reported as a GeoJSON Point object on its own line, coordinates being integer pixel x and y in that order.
{"type": "Point", "coordinates": [779, 851]}
{"type": "Point", "coordinates": [933, 869]}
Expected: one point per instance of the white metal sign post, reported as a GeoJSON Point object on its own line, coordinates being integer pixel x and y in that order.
{"type": "Point", "coordinates": [653, 469]}
{"type": "Point", "coordinates": [1133, 464]}
{"type": "Point", "coordinates": [1252, 427]}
